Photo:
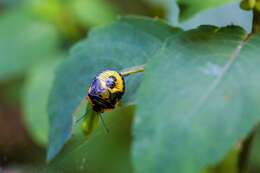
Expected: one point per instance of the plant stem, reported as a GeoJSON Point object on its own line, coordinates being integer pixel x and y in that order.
{"type": "Point", "coordinates": [132, 70]}
{"type": "Point", "coordinates": [256, 21]}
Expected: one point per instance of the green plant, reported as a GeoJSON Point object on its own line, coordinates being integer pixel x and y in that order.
{"type": "Point", "coordinates": [199, 94]}
{"type": "Point", "coordinates": [195, 108]}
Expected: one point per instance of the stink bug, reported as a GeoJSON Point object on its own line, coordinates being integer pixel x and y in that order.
{"type": "Point", "coordinates": [104, 94]}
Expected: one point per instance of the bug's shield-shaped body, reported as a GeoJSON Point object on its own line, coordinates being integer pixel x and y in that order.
{"type": "Point", "coordinates": [105, 91]}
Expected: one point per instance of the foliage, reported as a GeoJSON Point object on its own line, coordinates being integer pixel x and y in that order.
{"type": "Point", "coordinates": [193, 109]}
{"type": "Point", "coordinates": [190, 7]}
{"type": "Point", "coordinates": [214, 104]}
{"type": "Point", "coordinates": [127, 44]}
{"type": "Point", "coordinates": [36, 92]}
{"type": "Point", "coordinates": [18, 52]}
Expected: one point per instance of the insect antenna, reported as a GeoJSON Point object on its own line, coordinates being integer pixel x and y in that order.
{"type": "Point", "coordinates": [132, 70]}
{"type": "Point", "coordinates": [104, 124]}
{"type": "Point", "coordinates": [81, 118]}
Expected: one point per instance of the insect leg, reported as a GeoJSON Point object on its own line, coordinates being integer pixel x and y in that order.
{"type": "Point", "coordinates": [78, 120]}
{"type": "Point", "coordinates": [104, 124]}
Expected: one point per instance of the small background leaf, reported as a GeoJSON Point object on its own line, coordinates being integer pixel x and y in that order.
{"type": "Point", "coordinates": [36, 94]}
{"type": "Point", "coordinates": [18, 52]}
{"type": "Point", "coordinates": [73, 17]}
{"type": "Point", "coordinates": [93, 13]}
{"type": "Point", "coordinates": [198, 106]}
{"type": "Point", "coordinates": [188, 8]}
{"type": "Point", "coordinates": [10, 2]}
{"type": "Point", "coordinates": [222, 15]}
{"type": "Point", "coordinates": [128, 42]}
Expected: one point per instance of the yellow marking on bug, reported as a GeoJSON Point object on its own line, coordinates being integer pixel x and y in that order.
{"type": "Point", "coordinates": [105, 95]}
{"type": "Point", "coordinates": [119, 84]}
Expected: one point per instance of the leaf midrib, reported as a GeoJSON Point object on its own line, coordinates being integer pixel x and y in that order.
{"type": "Point", "coordinates": [217, 81]}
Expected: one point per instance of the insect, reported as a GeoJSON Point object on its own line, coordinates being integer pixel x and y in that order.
{"type": "Point", "coordinates": [104, 94]}
{"type": "Point", "coordinates": [106, 90]}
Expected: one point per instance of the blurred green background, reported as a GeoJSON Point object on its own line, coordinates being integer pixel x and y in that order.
{"type": "Point", "coordinates": [35, 37]}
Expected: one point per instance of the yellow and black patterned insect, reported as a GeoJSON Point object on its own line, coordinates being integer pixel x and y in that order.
{"type": "Point", "coordinates": [106, 90]}
{"type": "Point", "coordinates": [104, 93]}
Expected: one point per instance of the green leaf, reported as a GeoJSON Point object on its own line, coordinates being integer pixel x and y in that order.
{"type": "Point", "coordinates": [228, 164]}
{"type": "Point", "coordinates": [92, 13]}
{"type": "Point", "coordinates": [222, 15]}
{"type": "Point", "coordinates": [73, 17]}
{"type": "Point", "coordinates": [188, 8]}
{"type": "Point", "coordinates": [199, 96]}
{"type": "Point", "coordinates": [247, 4]}
{"type": "Point", "coordinates": [24, 42]}
{"type": "Point", "coordinates": [35, 99]}
{"type": "Point", "coordinates": [254, 156]}
{"type": "Point", "coordinates": [128, 42]}
{"type": "Point", "coordinates": [10, 3]}
{"type": "Point", "coordinates": [90, 121]}
{"type": "Point", "coordinates": [102, 152]}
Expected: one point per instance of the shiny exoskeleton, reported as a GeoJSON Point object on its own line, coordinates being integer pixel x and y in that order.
{"type": "Point", "coordinates": [106, 90]}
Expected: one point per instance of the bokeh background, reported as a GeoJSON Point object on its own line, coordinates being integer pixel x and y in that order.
{"type": "Point", "coordinates": [36, 36]}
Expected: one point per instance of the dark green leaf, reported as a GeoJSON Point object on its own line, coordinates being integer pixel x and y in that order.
{"type": "Point", "coordinates": [128, 42]}
{"type": "Point", "coordinates": [199, 96]}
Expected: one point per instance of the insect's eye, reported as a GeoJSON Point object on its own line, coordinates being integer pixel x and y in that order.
{"type": "Point", "coordinates": [111, 82]}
